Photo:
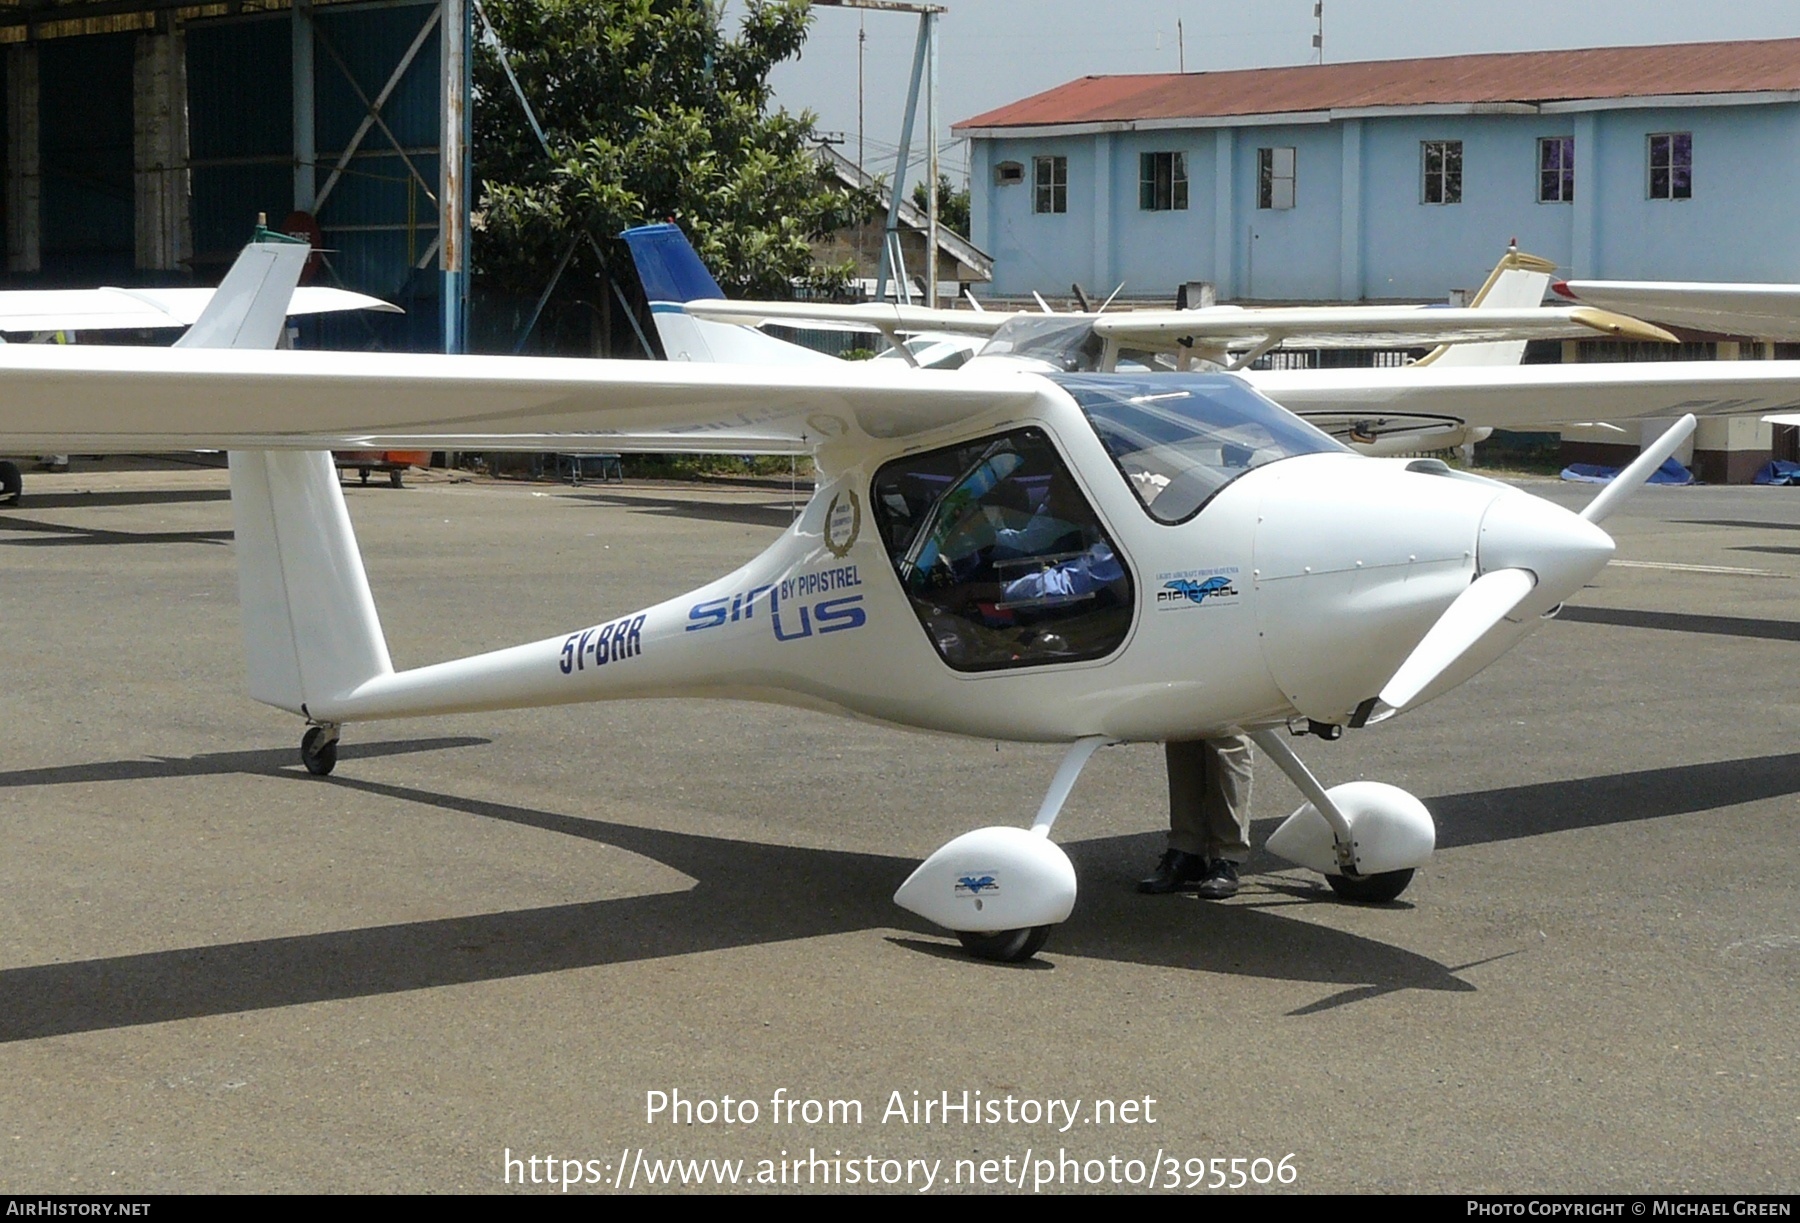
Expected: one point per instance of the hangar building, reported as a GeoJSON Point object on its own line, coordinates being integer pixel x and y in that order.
{"type": "Point", "coordinates": [143, 137]}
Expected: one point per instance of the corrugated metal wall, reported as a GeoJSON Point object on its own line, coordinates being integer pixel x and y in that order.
{"type": "Point", "coordinates": [378, 216]}
{"type": "Point", "coordinates": [240, 132]}
{"type": "Point", "coordinates": [85, 137]}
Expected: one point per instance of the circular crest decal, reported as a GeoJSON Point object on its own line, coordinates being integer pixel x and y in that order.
{"type": "Point", "coordinates": [843, 523]}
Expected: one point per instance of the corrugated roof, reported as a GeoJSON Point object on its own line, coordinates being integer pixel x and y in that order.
{"type": "Point", "coordinates": [1519, 77]}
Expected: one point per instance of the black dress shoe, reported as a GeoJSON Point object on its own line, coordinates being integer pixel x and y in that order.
{"type": "Point", "coordinates": [1220, 881]}
{"type": "Point", "coordinates": [1176, 871]}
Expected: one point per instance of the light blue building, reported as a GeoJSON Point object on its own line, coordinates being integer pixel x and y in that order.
{"type": "Point", "coordinates": [1398, 179]}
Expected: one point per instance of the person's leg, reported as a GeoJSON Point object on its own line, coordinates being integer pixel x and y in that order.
{"type": "Point", "coordinates": [1185, 860]}
{"type": "Point", "coordinates": [1225, 799]}
{"type": "Point", "coordinates": [1225, 805]}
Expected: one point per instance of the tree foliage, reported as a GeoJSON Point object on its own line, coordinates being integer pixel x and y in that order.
{"type": "Point", "coordinates": [953, 205]}
{"type": "Point", "coordinates": [652, 112]}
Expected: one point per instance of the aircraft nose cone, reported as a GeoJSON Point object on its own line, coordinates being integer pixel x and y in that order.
{"type": "Point", "coordinates": [1563, 550]}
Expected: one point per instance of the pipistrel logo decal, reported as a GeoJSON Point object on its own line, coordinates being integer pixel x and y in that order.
{"type": "Point", "coordinates": [977, 883]}
{"type": "Point", "coordinates": [1196, 588]}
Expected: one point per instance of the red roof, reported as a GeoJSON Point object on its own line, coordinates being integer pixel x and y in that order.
{"type": "Point", "coordinates": [1525, 76]}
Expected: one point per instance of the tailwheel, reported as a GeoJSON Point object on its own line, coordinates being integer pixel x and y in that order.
{"type": "Point", "coordinates": [12, 483]}
{"type": "Point", "coordinates": [1371, 889]}
{"type": "Point", "coordinates": [318, 750]}
{"type": "Point", "coordinates": [1007, 946]}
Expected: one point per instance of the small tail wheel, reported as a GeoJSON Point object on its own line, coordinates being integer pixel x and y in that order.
{"type": "Point", "coordinates": [1371, 889]}
{"type": "Point", "coordinates": [317, 752]}
{"type": "Point", "coordinates": [12, 483]}
{"type": "Point", "coordinates": [1007, 946]}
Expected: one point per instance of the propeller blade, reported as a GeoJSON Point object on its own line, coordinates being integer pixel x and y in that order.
{"type": "Point", "coordinates": [1466, 621]}
{"type": "Point", "coordinates": [1626, 482]}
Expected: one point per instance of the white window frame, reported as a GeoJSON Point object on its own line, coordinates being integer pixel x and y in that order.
{"type": "Point", "coordinates": [1446, 179]}
{"type": "Point", "coordinates": [1670, 189]}
{"type": "Point", "coordinates": [1276, 173]}
{"type": "Point", "coordinates": [1151, 197]}
{"type": "Point", "coordinates": [1564, 170]}
{"type": "Point", "coordinates": [1050, 185]}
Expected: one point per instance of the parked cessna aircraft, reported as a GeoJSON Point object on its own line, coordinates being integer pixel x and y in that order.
{"type": "Point", "coordinates": [56, 312]}
{"type": "Point", "coordinates": [1072, 557]}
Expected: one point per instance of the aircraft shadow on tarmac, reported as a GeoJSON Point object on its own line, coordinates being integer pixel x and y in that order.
{"type": "Point", "coordinates": [88, 501]}
{"type": "Point", "coordinates": [1684, 622]}
{"type": "Point", "coordinates": [59, 534]}
{"type": "Point", "coordinates": [748, 894]}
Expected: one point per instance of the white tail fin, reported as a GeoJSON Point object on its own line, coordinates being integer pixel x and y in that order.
{"type": "Point", "coordinates": [310, 629]}
{"type": "Point", "coordinates": [249, 308]}
{"type": "Point", "coordinates": [1518, 282]}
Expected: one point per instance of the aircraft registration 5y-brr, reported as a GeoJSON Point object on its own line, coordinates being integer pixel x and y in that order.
{"type": "Point", "coordinates": [1083, 558]}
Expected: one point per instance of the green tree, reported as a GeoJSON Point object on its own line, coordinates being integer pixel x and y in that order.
{"type": "Point", "coordinates": [953, 205]}
{"type": "Point", "coordinates": [652, 112]}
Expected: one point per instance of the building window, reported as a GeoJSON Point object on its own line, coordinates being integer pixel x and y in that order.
{"type": "Point", "coordinates": [1009, 174]}
{"type": "Point", "coordinates": [1162, 182]}
{"type": "Point", "coordinates": [1672, 166]}
{"type": "Point", "coordinates": [1275, 178]}
{"type": "Point", "coordinates": [1556, 170]}
{"type": "Point", "coordinates": [1051, 175]}
{"type": "Point", "coordinates": [1443, 171]}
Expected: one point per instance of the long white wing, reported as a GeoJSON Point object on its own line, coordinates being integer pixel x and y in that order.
{"type": "Point", "coordinates": [1361, 326]}
{"type": "Point", "coordinates": [1537, 396]}
{"type": "Point", "coordinates": [1766, 311]}
{"type": "Point", "coordinates": [1231, 327]}
{"type": "Point", "coordinates": [100, 399]}
{"type": "Point", "coordinates": [111, 309]}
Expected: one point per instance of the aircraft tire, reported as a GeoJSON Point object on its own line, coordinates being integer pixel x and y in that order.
{"type": "Point", "coordinates": [12, 483]}
{"type": "Point", "coordinates": [1006, 946]}
{"type": "Point", "coordinates": [319, 758]}
{"type": "Point", "coordinates": [1371, 889]}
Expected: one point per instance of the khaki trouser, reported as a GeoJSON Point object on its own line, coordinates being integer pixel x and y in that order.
{"type": "Point", "coordinates": [1209, 797]}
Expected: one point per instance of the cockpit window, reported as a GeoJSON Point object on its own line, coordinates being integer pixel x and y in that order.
{"type": "Point", "coordinates": [1179, 439]}
{"type": "Point", "coordinates": [1058, 340]}
{"type": "Point", "coordinates": [1003, 559]}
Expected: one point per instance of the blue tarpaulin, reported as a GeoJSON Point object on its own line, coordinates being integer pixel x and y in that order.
{"type": "Point", "coordinates": [1778, 471]}
{"type": "Point", "coordinates": [1671, 472]}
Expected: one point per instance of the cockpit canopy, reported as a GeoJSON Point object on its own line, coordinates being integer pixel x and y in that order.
{"type": "Point", "coordinates": [1180, 438]}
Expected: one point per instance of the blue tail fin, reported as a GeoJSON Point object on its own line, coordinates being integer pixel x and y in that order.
{"type": "Point", "coordinates": [669, 266]}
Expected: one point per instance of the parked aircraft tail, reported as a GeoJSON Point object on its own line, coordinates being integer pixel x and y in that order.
{"type": "Point", "coordinates": [1518, 282]}
{"type": "Point", "coordinates": [672, 275]}
{"type": "Point", "coordinates": [310, 628]}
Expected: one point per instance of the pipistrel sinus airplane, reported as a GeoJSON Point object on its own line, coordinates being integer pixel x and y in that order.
{"type": "Point", "coordinates": [1081, 558]}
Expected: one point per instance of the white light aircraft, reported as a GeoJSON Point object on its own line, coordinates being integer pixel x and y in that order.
{"type": "Point", "coordinates": [1080, 558]}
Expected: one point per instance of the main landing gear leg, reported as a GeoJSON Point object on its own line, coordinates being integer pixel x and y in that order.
{"type": "Point", "coordinates": [1365, 837]}
{"type": "Point", "coordinates": [318, 748]}
{"type": "Point", "coordinates": [1001, 889]}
